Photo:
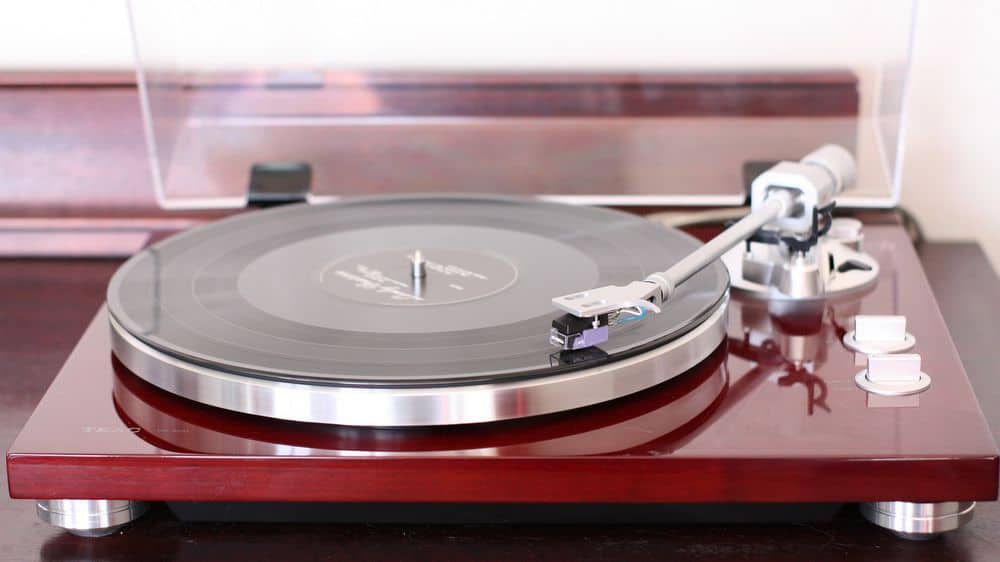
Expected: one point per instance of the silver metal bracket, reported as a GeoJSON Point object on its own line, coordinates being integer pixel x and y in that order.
{"type": "Point", "coordinates": [766, 273]}
{"type": "Point", "coordinates": [919, 521]}
{"type": "Point", "coordinates": [90, 518]}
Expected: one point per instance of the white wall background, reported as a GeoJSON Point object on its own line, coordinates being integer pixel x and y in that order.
{"type": "Point", "coordinates": [952, 168]}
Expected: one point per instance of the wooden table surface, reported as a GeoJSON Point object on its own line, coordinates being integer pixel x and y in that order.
{"type": "Point", "coordinates": [46, 304]}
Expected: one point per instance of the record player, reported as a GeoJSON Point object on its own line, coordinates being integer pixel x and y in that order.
{"type": "Point", "coordinates": [449, 304]}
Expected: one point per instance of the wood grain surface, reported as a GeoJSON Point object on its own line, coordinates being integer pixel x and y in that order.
{"type": "Point", "coordinates": [767, 444]}
{"type": "Point", "coordinates": [48, 303]}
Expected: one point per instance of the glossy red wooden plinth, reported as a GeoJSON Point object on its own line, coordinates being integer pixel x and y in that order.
{"type": "Point", "coordinates": [750, 424]}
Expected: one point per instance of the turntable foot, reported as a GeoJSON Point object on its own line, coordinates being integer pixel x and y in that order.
{"type": "Point", "coordinates": [918, 521]}
{"type": "Point", "coordinates": [90, 518]}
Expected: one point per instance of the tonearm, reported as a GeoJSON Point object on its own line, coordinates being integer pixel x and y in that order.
{"type": "Point", "coordinates": [784, 256]}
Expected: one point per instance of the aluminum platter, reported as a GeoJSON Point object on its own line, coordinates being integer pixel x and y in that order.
{"type": "Point", "coordinates": [311, 312]}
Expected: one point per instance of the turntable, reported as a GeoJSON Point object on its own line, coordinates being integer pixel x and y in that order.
{"type": "Point", "coordinates": [465, 353]}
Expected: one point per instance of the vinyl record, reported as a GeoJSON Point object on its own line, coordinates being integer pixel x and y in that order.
{"type": "Point", "coordinates": [324, 294]}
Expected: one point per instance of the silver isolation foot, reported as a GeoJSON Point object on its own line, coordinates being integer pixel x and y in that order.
{"type": "Point", "coordinates": [918, 521]}
{"type": "Point", "coordinates": [90, 518]}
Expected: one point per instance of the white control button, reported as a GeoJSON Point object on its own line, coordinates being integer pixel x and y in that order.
{"type": "Point", "coordinates": [871, 328]}
{"type": "Point", "coordinates": [877, 334]}
{"type": "Point", "coordinates": [893, 375]}
{"type": "Point", "coordinates": [894, 368]}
